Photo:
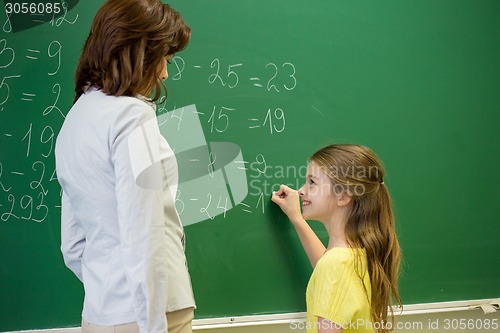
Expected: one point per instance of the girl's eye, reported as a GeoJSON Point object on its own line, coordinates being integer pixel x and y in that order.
{"type": "Point", "coordinates": [311, 182]}
{"type": "Point", "coordinates": [168, 62]}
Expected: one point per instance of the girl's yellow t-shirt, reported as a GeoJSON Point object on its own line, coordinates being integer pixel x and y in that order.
{"type": "Point", "coordinates": [336, 292]}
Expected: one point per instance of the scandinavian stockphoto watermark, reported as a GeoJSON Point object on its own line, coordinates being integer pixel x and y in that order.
{"type": "Point", "coordinates": [267, 179]}
{"type": "Point", "coordinates": [211, 177]}
{"type": "Point", "coordinates": [416, 326]}
{"type": "Point", "coordinates": [359, 324]}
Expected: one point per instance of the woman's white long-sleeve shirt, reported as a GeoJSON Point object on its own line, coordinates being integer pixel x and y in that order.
{"type": "Point", "coordinates": [120, 232]}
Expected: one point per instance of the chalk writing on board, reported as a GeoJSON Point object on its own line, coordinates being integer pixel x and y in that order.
{"type": "Point", "coordinates": [27, 175]}
{"type": "Point", "coordinates": [7, 52]}
{"type": "Point", "coordinates": [1, 183]}
{"type": "Point", "coordinates": [219, 118]}
{"type": "Point", "coordinates": [275, 120]}
{"type": "Point", "coordinates": [54, 50]}
{"type": "Point", "coordinates": [220, 121]}
{"type": "Point", "coordinates": [62, 19]}
{"type": "Point", "coordinates": [30, 207]}
{"type": "Point", "coordinates": [7, 26]}
{"type": "Point", "coordinates": [210, 198]}
{"type": "Point", "coordinates": [4, 88]}
{"type": "Point", "coordinates": [276, 77]}
{"type": "Point", "coordinates": [56, 89]}
{"type": "Point", "coordinates": [272, 77]}
{"type": "Point", "coordinates": [26, 187]}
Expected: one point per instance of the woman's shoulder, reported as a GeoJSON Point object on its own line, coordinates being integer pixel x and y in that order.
{"type": "Point", "coordinates": [119, 114]}
{"type": "Point", "coordinates": [93, 94]}
{"type": "Point", "coordinates": [110, 109]}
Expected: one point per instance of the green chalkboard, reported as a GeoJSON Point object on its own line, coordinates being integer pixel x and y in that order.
{"type": "Point", "coordinates": [262, 85]}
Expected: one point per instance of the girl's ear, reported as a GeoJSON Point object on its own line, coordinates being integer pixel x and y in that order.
{"type": "Point", "coordinates": [345, 198]}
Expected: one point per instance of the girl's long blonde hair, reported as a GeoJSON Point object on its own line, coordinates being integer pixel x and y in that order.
{"type": "Point", "coordinates": [371, 221]}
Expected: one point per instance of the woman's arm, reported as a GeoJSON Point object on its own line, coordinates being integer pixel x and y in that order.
{"type": "Point", "coordinates": [139, 204]}
{"type": "Point", "coordinates": [289, 201]}
{"type": "Point", "coordinates": [72, 238]}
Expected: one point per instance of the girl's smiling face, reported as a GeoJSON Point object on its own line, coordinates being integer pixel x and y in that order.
{"type": "Point", "coordinates": [318, 197]}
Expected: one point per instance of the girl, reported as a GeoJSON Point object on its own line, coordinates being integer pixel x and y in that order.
{"type": "Point", "coordinates": [353, 279]}
{"type": "Point", "coordinates": [121, 235]}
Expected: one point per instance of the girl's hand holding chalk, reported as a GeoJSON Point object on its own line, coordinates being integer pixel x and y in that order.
{"type": "Point", "coordinates": [289, 201]}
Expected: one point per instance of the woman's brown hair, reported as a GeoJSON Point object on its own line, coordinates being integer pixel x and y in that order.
{"type": "Point", "coordinates": [370, 224]}
{"type": "Point", "coordinates": [126, 44]}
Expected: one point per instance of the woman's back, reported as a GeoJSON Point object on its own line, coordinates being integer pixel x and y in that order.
{"type": "Point", "coordinates": [110, 204]}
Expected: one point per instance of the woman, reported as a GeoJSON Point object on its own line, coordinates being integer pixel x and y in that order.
{"type": "Point", "coordinates": [120, 232]}
{"type": "Point", "coordinates": [355, 275]}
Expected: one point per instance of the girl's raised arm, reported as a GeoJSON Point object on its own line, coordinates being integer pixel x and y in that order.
{"type": "Point", "coordinates": [289, 202]}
